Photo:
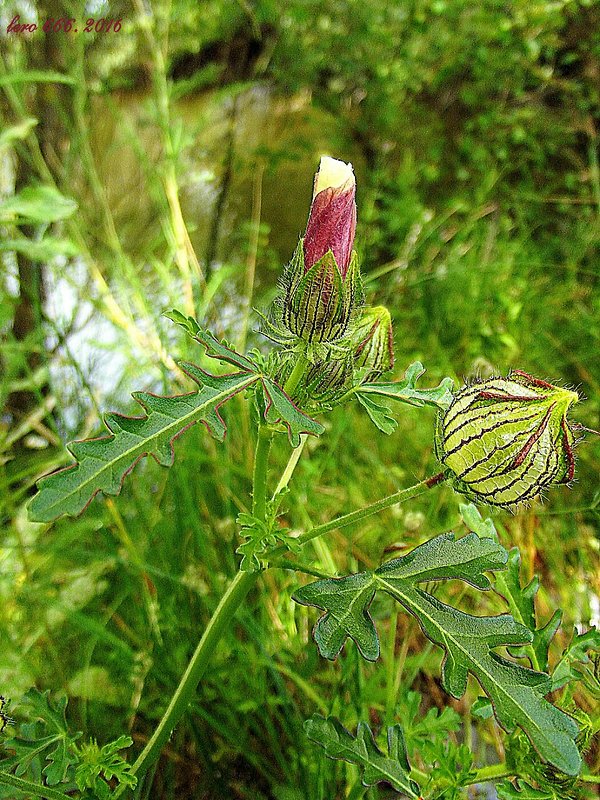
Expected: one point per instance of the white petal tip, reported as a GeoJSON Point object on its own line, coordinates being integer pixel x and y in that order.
{"type": "Point", "coordinates": [333, 174]}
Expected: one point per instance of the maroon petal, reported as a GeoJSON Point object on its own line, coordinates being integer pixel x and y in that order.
{"type": "Point", "coordinates": [331, 226]}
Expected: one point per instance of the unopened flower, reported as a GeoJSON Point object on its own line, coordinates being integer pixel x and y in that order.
{"type": "Point", "coordinates": [374, 343]}
{"type": "Point", "coordinates": [332, 220]}
{"type": "Point", "coordinates": [326, 380]}
{"type": "Point", "coordinates": [502, 441]}
{"type": "Point", "coordinates": [322, 283]}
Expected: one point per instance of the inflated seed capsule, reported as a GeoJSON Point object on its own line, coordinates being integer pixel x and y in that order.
{"type": "Point", "coordinates": [328, 379]}
{"type": "Point", "coordinates": [503, 440]}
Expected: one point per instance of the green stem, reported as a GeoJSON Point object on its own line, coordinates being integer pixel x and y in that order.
{"type": "Point", "coordinates": [295, 566]}
{"type": "Point", "coordinates": [290, 466]}
{"type": "Point", "coordinates": [219, 622]}
{"type": "Point", "coordinates": [259, 483]}
{"type": "Point", "coordinates": [385, 502]}
{"type": "Point", "coordinates": [6, 779]}
{"type": "Point", "coordinates": [589, 778]}
{"type": "Point", "coordinates": [390, 695]}
{"type": "Point", "coordinates": [419, 776]}
{"type": "Point", "coordinates": [492, 773]}
{"type": "Point", "coordinates": [296, 374]}
{"type": "Point", "coordinates": [361, 513]}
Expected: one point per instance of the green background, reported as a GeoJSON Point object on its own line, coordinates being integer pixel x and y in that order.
{"type": "Point", "coordinates": [187, 141]}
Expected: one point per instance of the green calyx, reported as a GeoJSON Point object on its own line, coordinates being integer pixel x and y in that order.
{"type": "Point", "coordinates": [319, 305]}
{"type": "Point", "coordinates": [373, 343]}
{"type": "Point", "coordinates": [327, 380]}
{"type": "Point", "coordinates": [502, 441]}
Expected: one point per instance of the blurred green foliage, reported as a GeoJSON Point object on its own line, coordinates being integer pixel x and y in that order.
{"type": "Point", "coordinates": [171, 166]}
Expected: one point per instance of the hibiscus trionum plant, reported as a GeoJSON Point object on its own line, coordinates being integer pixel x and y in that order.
{"type": "Point", "coordinates": [499, 442]}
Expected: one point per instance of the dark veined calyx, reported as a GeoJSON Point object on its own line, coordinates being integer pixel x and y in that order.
{"type": "Point", "coordinates": [4, 718]}
{"type": "Point", "coordinates": [373, 343]}
{"type": "Point", "coordinates": [503, 441]}
{"type": "Point", "coordinates": [326, 380]}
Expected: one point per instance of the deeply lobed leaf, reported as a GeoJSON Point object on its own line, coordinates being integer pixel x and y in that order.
{"type": "Point", "coordinates": [44, 746]}
{"type": "Point", "coordinates": [577, 654]}
{"type": "Point", "coordinates": [346, 601]}
{"type": "Point", "coordinates": [361, 750]}
{"type": "Point", "coordinates": [522, 606]}
{"type": "Point", "coordinates": [516, 692]}
{"type": "Point", "coordinates": [277, 406]}
{"type": "Point", "coordinates": [103, 463]}
{"type": "Point", "coordinates": [406, 390]}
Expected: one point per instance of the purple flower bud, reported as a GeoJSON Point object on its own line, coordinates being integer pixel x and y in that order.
{"type": "Point", "coordinates": [322, 284]}
{"type": "Point", "coordinates": [332, 221]}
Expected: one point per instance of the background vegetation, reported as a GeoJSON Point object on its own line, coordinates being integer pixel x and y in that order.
{"type": "Point", "coordinates": [170, 164]}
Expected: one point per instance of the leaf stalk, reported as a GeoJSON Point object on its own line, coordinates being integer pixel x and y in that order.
{"type": "Point", "coordinates": [379, 505]}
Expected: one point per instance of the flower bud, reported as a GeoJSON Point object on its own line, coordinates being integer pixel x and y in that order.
{"type": "Point", "coordinates": [322, 283]}
{"type": "Point", "coordinates": [504, 440]}
{"type": "Point", "coordinates": [373, 342]}
{"type": "Point", "coordinates": [332, 220]}
{"type": "Point", "coordinates": [326, 380]}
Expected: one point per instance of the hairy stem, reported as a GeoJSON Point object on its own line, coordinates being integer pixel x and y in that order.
{"type": "Point", "coordinates": [589, 778]}
{"type": "Point", "coordinates": [291, 465]}
{"type": "Point", "coordinates": [6, 779]}
{"type": "Point", "coordinates": [492, 773]}
{"type": "Point", "coordinates": [259, 483]}
{"type": "Point", "coordinates": [296, 374]}
{"type": "Point", "coordinates": [361, 513]}
{"type": "Point", "coordinates": [243, 582]}
{"type": "Point", "coordinates": [219, 623]}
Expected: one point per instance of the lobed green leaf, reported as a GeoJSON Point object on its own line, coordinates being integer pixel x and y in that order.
{"type": "Point", "coordinates": [516, 692]}
{"type": "Point", "coordinates": [406, 390]}
{"type": "Point", "coordinates": [45, 741]}
{"type": "Point", "coordinates": [346, 601]}
{"type": "Point", "coordinates": [277, 406]}
{"type": "Point", "coordinates": [103, 463]}
{"type": "Point", "coordinates": [361, 749]}
{"type": "Point", "coordinates": [521, 601]}
{"type": "Point", "coordinates": [379, 413]}
{"type": "Point", "coordinates": [577, 652]}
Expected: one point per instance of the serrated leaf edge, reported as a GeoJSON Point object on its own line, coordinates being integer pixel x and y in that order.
{"type": "Point", "coordinates": [225, 396]}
